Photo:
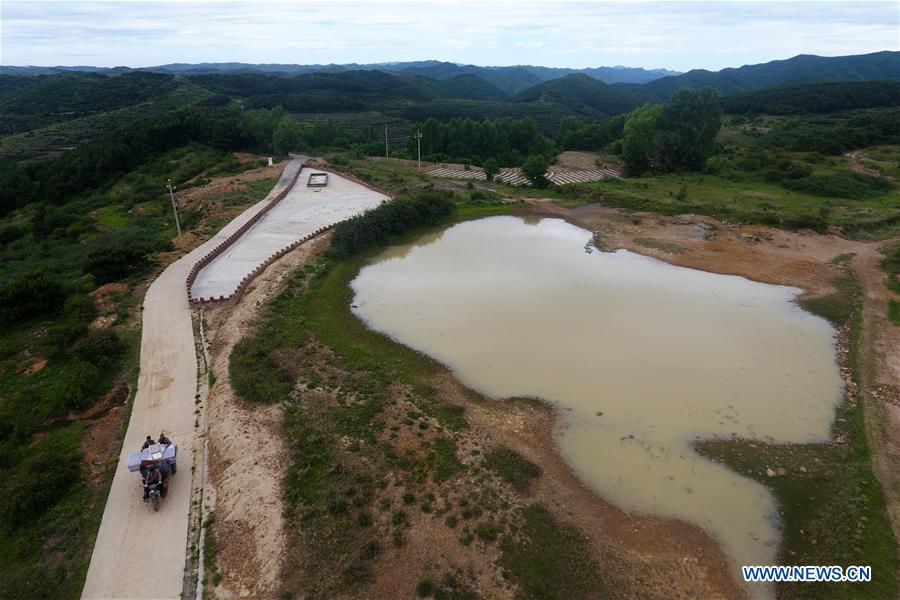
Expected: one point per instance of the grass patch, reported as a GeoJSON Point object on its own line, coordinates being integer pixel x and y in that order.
{"type": "Point", "coordinates": [743, 201]}
{"type": "Point", "coordinates": [210, 552]}
{"type": "Point", "coordinates": [843, 185]}
{"type": "Point", "coordinates": [449, 588]}
{"type": "Point", "coordinates": [661, 245]}
{"type": "Point", "coordinates": [446, 464]}
{"type": "Point", "coordinates": [512, 467]}
{"type": "Point", "coordinates": [839, 306]}
{"type": "Point", "coordinates": [260, 188]}
{"type": "Point", "coordinates": [834, 509]}
{"type": "Point", "coordinates": [891, 266]}
{"type": "Point", "coordinates": [550, 560]}
{"type": "Point", "coordinates": [894, 311]}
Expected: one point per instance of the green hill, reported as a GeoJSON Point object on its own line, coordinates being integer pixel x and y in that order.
{"type": "Point", "coordinates": [581, 93]}
{"type": "Point", "coordinates": [78, 94]}
{"type": "Point", "coordinates": [465, 87]}
{"type": "Point", "coordinates": [804, 68]}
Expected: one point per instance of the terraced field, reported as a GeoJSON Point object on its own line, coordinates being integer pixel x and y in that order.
{"type": "Point", "coordinates": [515, 177]}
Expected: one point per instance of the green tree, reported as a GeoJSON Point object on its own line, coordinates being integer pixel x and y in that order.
{"type": "Point", "coordinates": [641, 133]}
{"type": "Point", "coordinates": [689, 124]}
{"type": "Point", "coordinates": [535, 170]}
{"type": "Point", "coordinates": [289, 135]}
{"type": "Point", "coordinates": [491, 168]}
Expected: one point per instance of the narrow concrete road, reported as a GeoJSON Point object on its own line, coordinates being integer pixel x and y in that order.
{"type": "Point", "coordinates": [139, 553]}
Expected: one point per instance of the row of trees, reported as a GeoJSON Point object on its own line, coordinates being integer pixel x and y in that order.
{"type": "Point", "coordinates": [391, 218]}
{"type": "Point", "coordinates": [508, 142]}
{"type": "Point", "coordinates": [575, 134]}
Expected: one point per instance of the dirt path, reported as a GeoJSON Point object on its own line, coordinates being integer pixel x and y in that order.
{"type": "Point", "coordinates": [139, 553]}
{"type": "Point", "coordinates": [880, 374]}
{"type": "Point", "coordinates": [858, 159]}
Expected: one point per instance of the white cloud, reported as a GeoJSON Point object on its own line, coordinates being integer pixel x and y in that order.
{"type": "Point", "coordinates": [679, 35]}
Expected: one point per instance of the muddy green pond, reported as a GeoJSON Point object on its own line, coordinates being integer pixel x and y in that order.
{"type": "Point", "coordinates": [642, 359]}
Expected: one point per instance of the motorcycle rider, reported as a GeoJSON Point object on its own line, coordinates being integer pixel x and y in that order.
{"type": "Point", "coordinates": [153, 477]}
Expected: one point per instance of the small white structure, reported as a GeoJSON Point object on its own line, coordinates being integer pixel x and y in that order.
{"type": "Point", "coordinates": [270, 161]}
{"type": "Point", "coordinates": [317, 180]}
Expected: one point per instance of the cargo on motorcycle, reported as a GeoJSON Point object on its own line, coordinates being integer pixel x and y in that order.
{"type": "Point", "coordinates": [156, 462]}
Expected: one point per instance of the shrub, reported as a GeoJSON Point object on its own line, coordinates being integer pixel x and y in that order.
{"type": "Point", "coordinates": [10, 233]}
{"type": "Point", "coordinates": [35, 485]}
{"type": "Point", "coordinates": [512, 467]}
{"type": "Point", "coordinates": [30, 295]}
{"type": "Point", "coordinates": [100, 348]}
{"type": "Point", "coordinates": [75, 385]}
{"type": "Point", "coordinates": [425, 588]}
{"type": "Point", "coordinates": [840, 185]}
{"type": "Point", "coordinates": [391, 218]}
{"type": "Point", "coordinates": [487, 531]}
{"type": "Point", "coordinates": [894, 311]}
{"type": "Point", "coordinates": [120, 254]}
{"type": "Point", "coordinates": [80, 307]}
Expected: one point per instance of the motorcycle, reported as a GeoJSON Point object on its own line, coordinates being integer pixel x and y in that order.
{"type": "Point", "coordinates": [154, 496]}
{"type": "Point", "coordinates": [155, 486]}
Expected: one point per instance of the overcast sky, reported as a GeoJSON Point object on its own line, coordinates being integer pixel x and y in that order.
{"type": "Point", "coordinates": [674, 35]}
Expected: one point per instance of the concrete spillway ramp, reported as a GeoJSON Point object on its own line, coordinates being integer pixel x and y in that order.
{"type": "Point", "coordinates": [302, 212]}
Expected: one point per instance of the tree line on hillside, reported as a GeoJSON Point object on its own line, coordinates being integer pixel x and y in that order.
{"type": "Point", "coordinates": [509, 142]}
{"type": "Point", "coordinates": [815, 98]}
{"type": "Point", "coordinates": [834, 137]}
{"type": "Point", "coordinates": [98, 162]}
{"type": "Point", "coordinates": [575, 134]}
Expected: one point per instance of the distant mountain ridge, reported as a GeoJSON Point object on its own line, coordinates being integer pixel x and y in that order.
{"type": "Point", "coordinates": [645, 84]}
{"type": "Point", "coordinates": [415, 91]}
{"type": "Point", "coordinates": [510, 80]}
{"type": "Point", "coordinates": [803, 68]}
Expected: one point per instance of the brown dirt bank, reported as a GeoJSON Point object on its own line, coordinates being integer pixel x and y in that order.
{"type": "Point", "coordinates": [246, 454]}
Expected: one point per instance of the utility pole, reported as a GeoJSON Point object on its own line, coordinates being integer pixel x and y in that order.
{"type": "Point", "coordinates": [174, 209]}
{"type": "Point", "coordinates": [386, 151]}
{"type": "Point", "coordinates": [419, 147]}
